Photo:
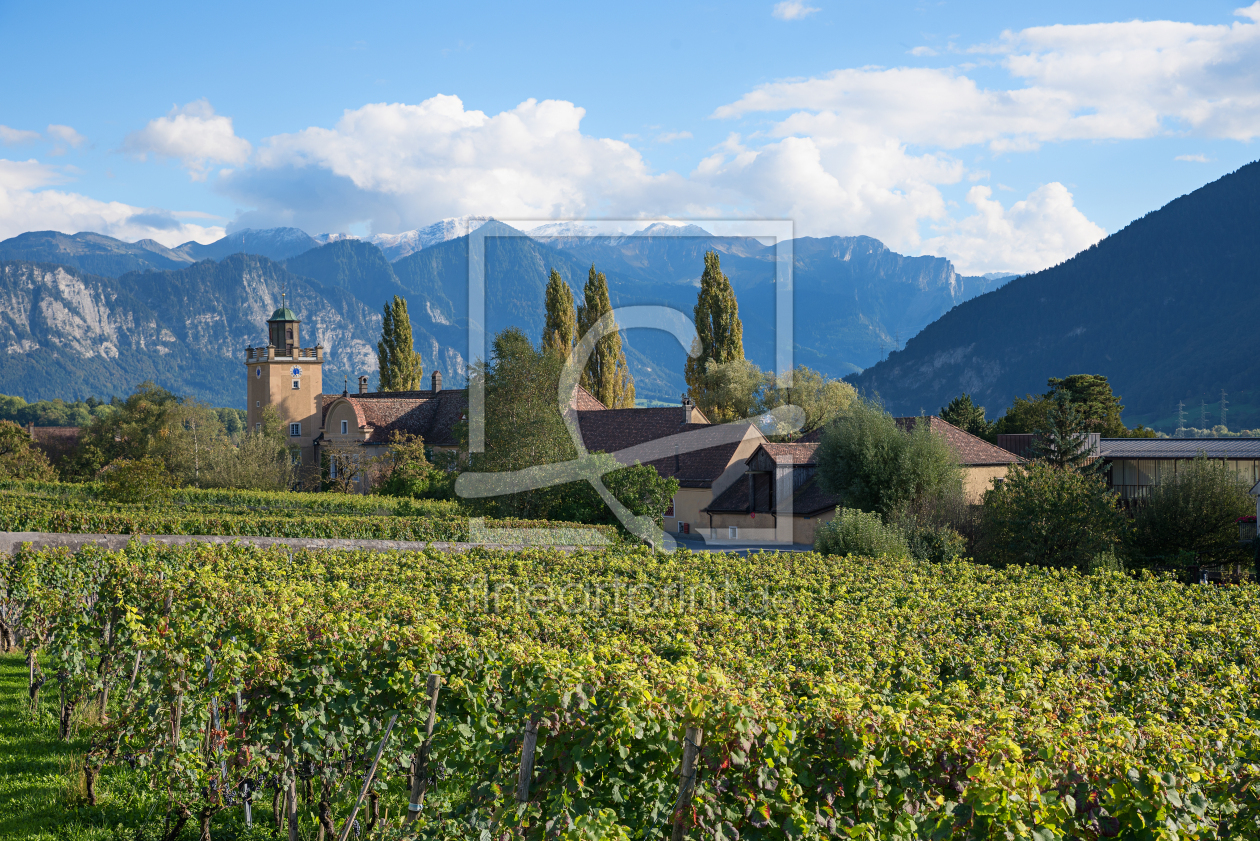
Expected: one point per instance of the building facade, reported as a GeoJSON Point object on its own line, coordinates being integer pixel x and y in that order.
{"type": "Point", "coordinates": [284, 375]}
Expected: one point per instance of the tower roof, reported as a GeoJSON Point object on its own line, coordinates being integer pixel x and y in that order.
{"type": "Point", "coordinates": [283, 314]}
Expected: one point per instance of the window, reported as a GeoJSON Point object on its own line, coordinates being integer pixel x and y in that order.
{"type": "Point", "coordinates": [297, 383]}
{"type": "Point", "coordinates": [257, 404]}
{"type": "Point", "coordinates": [669, 511]}
{"type": "Point", "coordinates": [257, 427]}
{"type": "Point", "coordinates": [288, 334]}
{"type": "Point", "coordinates": [295, 429]}
{"type": "Point", "coordinates": [345, 427]}
{"type": "Point", "coordinates": [732, 532]}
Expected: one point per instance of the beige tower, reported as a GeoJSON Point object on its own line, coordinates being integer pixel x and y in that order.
{"type": "Point", "coordinates": [288, 376]}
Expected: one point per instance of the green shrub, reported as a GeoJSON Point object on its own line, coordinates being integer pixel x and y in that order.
{"type": "Point", "coordinates": [1050, 516]}
{"type": "Point", "coordinates": [855, 532]}
{"type": "Point", "coordinates": [1196, 512]}
{"type": "Point", "coordinates": [144, 479]}
{"type": "Point", "coordinates": [934, 543]}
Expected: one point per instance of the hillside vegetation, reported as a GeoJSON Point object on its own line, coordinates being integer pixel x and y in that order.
{"type": "Point", "coordinates": [1164, 308]}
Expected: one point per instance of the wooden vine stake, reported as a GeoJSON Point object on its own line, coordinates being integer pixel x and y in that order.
{"type": "Point", "coordinates": [420, 762]}
{"type": "Point", "coordinates": [527, 761]}
{"type": "Point", "coordinates": [686, 781]}
{"type": "Point", "coordinates": [367, 781]}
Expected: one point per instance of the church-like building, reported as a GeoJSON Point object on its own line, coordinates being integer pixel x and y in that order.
{"type": "Point", "coordinates": [289, 377]}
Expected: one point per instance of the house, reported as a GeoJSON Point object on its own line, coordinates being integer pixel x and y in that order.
{"type": "Point", "coordinates": [680, 443]}
{"type": "Point", "coordinates": [1138, 464]}
{"type": "Point", "coordinates": [776, 500]}
{"type": "Point", "coordinates": [779, 498]}
{"type": "Point", "coordinates": [983, 463]}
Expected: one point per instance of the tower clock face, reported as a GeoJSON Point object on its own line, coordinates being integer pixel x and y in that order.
{"type": "Point", "coordinates": [258, 371]}
{"type": "Point", "coordinates": [295, 371]}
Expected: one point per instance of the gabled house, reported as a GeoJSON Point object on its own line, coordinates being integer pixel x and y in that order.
{"type": "Point", "coordinates": [681, 444]}
{"type": "Point", "coordinates": [779, 498]}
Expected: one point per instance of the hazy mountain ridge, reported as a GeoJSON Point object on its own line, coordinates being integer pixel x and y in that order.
{"type": "Point", "coordinates": [1165, 308]}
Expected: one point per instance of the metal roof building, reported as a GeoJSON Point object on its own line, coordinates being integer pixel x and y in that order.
{"type": "Point", "coordinates": [1138, 464]}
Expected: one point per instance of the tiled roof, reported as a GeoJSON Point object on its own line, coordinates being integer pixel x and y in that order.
{"type": "Point", "coordinates": [700, 454]}
{"type": "Point", "coordinates": [610, 430]}
{"type": "Point", "coordinates": [428, 414]}
{"type": "Point", "coordinates": [794, 453]}
{"type": "Point", "coordinates": [432, 415]}
{"type": "Point", "coordinates": [1180, 447]}
{"type": "Point", "coordinates": [971, 451]}
{"type": "Point", "coordinates": [807, 501]}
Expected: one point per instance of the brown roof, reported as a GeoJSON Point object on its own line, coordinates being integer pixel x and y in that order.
{"type": "Point", "coordinates": [808, 500]}
{"type": "Point", "coordinates": [57, 442]}
{"type": "Point", "coordinates": [584, 401]}
{"type": "Point", "coordinates": [794, 453]}
{"type": "Point", "coordinates": [693, 453]}
{"type": "Point", "coordinates": [971, 451]}
{"type": "Point", "coordinates": [428, 414]}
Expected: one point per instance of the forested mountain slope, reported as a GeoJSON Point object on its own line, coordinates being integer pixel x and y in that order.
{"type": "Point", "coordinates": [1166, 308]}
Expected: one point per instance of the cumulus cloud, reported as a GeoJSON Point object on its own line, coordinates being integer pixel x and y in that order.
{"type": "Point", "coordinates": [1039, 231]}
{"type": "Point", "coordinates": [401, 166]}
{"type": "Point", "coordinates": [1095, 81]}
{"type": "Point", "coordinates": [792, 10]}
{"type": "Point", "coordinates": [26, 204]}
{"type": "Point", "coordinates": [15, 137]}
{"type": "Point", "coordinates": [195, 136]}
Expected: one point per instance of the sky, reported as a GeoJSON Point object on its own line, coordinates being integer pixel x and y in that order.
{"type": "Point", "coordinates": [1003, 136]}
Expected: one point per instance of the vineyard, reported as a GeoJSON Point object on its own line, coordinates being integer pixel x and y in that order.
{"type": "Point", "coordinates": [627, 694]}
{"type": "Point", "coordinates": [79, 508]}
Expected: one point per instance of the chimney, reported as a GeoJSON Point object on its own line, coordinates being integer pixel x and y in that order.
{"type": "Point", "coordinates": [363, 384]}
{"type": "Point", "coordinates": [437, 380]}
{"type": "Point", "coordinates": [687, 406]}
{"type": "Point", "coordinates": [30, 429]}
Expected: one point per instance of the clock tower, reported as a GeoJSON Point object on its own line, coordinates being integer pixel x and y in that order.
{"type": "Point", "coordinates": [289, 377]}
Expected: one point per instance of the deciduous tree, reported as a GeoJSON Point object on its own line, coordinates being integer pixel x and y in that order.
{"type": "Point", "coordinates": [560, 326]}
{"type": "Point", "coordinates": [607, 375]}
{"type": "Point", "coordinates": [719, 331]}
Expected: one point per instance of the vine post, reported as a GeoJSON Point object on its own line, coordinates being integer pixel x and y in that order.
{"type": "Point", "coordinates": [420, 762]}
{"type": "Point", "coordinates": [686, 781]}
{"type": "Point", "coordinates": [367, 781]}
{"type": "Point", "coordinates": [527, 760]}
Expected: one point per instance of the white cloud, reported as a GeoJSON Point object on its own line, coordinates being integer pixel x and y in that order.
{"type": "Point", "coordinates": [1096, 81]}
{"type": "Point", "coordinates": [26, 205]}
{"type": "Point", "coordinates": [792, 10]}
{"type": "Point", "coordinates": [1198, 159]}
{"type": "Point", "coordinates": [923, 51]}
{"type": "Point", "coordinates": [194, 135]}
{"type": "Point", "coordinates": [671, 136]}
{"type": "Point", "coordinates": [401, 166]}
{"type": "Point", "coordinates": [1039, 231]}
{"type": "Point", "coordinates": [14, 136]}
{"type": "Point", "coordinates": [66, 135]}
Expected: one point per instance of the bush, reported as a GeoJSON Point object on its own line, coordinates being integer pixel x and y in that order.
{"type": "Point", "coordinates": [136, 480]}
{"type": "Point", "coordinates": [855, 532]}
{"type": "Point", "coordinates": [1197, 512]}
{"type": "Point", "coordinates": [870, 463]}
{"type": "Point", "coordinates": [1050, 516]}
{"type": "Point", "coordinates": [19, 457]}
{"type": "Point", "coordinates": [934, 543]}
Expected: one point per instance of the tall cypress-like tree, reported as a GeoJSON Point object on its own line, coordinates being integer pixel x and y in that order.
{"type": "Point", "coordinates": [401, 367]}
{"type": "Point", "coordinates": [607, 376]}
{"type": "Point", "coordinates": [718, 327]}
{"type": "Point", "coordinates": [561, 324]}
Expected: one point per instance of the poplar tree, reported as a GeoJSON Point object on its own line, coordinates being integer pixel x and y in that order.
{"type": "Point", "coordinates": [401, 367]}
{"type": "Point", "coordinates": [607, 376]}
{"type": "Point", "coordinates": [561, 324]}
{"type": "Point", "coordinates": [718, 328]}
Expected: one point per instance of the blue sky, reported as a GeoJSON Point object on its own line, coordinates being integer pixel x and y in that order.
{"type": "Point", "coordinates": [1004, 136]}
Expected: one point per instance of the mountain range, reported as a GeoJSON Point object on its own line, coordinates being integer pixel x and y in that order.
{"type": "Point", "coordinates": [1165, 308]}
{"type": "Point", "coordinates": [854, 299]}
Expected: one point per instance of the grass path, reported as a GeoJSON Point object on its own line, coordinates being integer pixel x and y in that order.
{"type": "Point", "coordinates": [39, 773]}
